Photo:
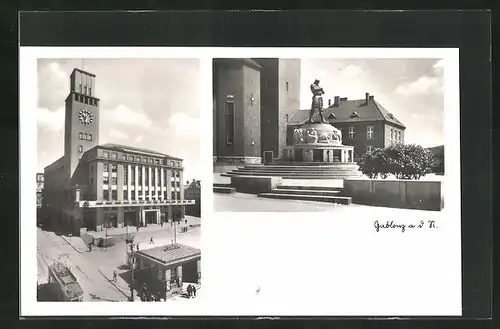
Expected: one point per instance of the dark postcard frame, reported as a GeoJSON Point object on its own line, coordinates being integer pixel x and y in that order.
{"type": "Point", "coordinates": [469, 30]}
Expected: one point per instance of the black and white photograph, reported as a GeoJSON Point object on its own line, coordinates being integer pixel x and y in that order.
{"type": "Point", "coordinates": [318, 134]}
{"type": "Point", "coordinates": [118, 181]}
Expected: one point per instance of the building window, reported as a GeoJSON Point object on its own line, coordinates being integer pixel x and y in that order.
{"type": "Point", "coordinates": [105, 180]}
{"type": "Point", "coordinates": [369, 148]}
{"type": "Point", "coordinates": [144, 160]}
{"type": "Point", "coordinates": [132, 196]}
{"type": "Point", "coordinates": [165, 195]}
{"type": "Point", "coordinates": [351, 132]}
{"type": "Point", "coordinates": [80, 89]}
{"type": "Point", "coordinates": [369, 132]}
{"type": "Point", "coordinates": [178, 195]}
{"type": "Point", "coordinates": [229, 122]}
{"type": "Point", "coordinates": [90, 91]}
{"type": "Point", "coordinates": [89, 137]}
{"type": "Point", "coordinates": [172, 184]}
{"type": "Point", "coordinates": [85, 89]}
{"type": "Point", "coordinates": [125, 174]}
{"type": "Point", "coordinates": [172, 195]}
{"type": "Point", "coordinates": [105, 154]}
{"type": "Point", "coordinates": [80, 135]}
{"type": "Point", "coordinates": [139, 176]}
{"type": "Point", "coordinates": [130, 157]}
{"type": "Point", "coordinates": [151, 161]}
{"type": "Point", "coordinates": [286, 87]}
{"type": "Point", "coordinates": [114, 195]}
{"type": "Point", "coordinates": [113, 168]}
{"type": "Point", "coordinates": [392, 134]}
{"type": "Point", "coordinates": [105, 195]}
{"type": "Point", "coordinates": [113, 155]}
{"type": "Point", "coordinates": [157, 161]}
{"type": "Point", "coordinates": [105, 167]}
{"type": "Point", "coordinates": [400, 136]}
{"type": "Point", "coordinates": [114, 180]}
{"type": "Point", "coordinates": [80, 149]}
{"type": "Point", "coordinates": [132, 175]}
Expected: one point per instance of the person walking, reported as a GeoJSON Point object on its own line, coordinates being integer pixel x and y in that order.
{"type": "Point", "coordinates": [137, 246]}
{"type": "Point", "coordinates": [189, 290]}
{"type": "Point", "coordinates": [194, 291]}
{"type": "Point", "coordinates": [151, 241]}
{"type": "Point", "coordinates": [114, 276]}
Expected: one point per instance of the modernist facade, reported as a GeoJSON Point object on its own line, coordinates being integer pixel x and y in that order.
{"type": "Point", "coordinates": [364, 123]}
{"type": "Point", "coordinates": [94, 185]}
{"type": "Point", "coordinates": [253, 101]}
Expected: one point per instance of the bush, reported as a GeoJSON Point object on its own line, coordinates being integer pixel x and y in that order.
{"type": "Point", "coordinates": [403, 161]}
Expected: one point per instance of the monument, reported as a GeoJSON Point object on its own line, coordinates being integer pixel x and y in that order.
{"type": "Point", "coordinates": [318, 141]}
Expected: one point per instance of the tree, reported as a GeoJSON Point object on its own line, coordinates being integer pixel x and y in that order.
{"type": "Point", "coordinates": [403, 161]}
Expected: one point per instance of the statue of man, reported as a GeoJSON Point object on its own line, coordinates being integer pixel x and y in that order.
{"type": "Point", "coordinates": [317, 101]}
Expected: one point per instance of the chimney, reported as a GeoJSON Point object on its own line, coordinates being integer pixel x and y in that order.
{"type": "Point", "coordinates": [329, 102]}
{"type": "Point", "coordinates": [367, 98]}
{"type": "Point", "coordinates": [371, 98]}
{"type": "Point", "coordinates": [336, 101]}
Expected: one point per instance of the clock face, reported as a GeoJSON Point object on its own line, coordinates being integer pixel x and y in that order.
{"type": "Point", "coordinates": [85, 117]}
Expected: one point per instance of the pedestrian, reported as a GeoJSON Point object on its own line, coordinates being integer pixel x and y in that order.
{"type": "Point", "coordinates": [189, 290]}
{"type": "Point", "coordinates": [151, 241]}
{"type": "Point", "coordinates": [194, 291]}
{"type": "Point", "coordinates": [137, 228]}
{"type": "Point", "coordinates": [114, 276]}
{"type": "Point", "coordinates": [137, 245]}
{"type": "Point", "coordinates": [161, 224]}
{"type": "Point", "coordinates": [185, 221]}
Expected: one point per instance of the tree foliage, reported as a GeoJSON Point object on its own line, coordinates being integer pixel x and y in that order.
{"type": "Point", "coordinates": [403, 161]}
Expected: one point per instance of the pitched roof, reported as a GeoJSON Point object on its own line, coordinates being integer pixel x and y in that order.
{"type": "Point", "coordinates": [125, 148]}
{"type": "Point", "coordinates": [351, 111]}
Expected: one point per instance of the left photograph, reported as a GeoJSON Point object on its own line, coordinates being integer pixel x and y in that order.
{"type": "Point", "coordinates": [118, 185]}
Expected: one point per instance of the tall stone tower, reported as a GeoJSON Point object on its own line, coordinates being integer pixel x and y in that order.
{"type": "Point", "coordinates": [280, 99]}
{"type": "Point", "coordinates": [81, 131]}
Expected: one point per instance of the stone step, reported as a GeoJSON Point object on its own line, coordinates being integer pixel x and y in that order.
{"type": "Point", "coordinates": [221, 184]}
{"type": "Point", "coordinates": [224, 189]}
{"type": "Point", "coordinates": [305, 197]}
{"type": "Point", "coordinates": [309, 188]}
{"type": "Point", "coordinates": [292, 174]}
{"type": "Point", "coordinates": [305, 192]}
{"type": "Point", "coordinates": [302, 165]}
{"type": "Point", "coordinates": [303, 169]}
{"type": "Point", "coordinates": [350, 176]}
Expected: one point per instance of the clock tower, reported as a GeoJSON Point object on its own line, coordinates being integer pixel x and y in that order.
{"type": "Point", "coordinates": [81, 131]}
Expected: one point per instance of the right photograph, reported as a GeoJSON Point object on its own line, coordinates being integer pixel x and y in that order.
{"type": "Point", "coordinates": [310, 134]}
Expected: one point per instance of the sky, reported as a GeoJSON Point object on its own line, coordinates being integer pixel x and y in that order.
{"type": "Point", "coordinates": [411, 89]}
{"type": "Point", "coordinates": [146, 103]}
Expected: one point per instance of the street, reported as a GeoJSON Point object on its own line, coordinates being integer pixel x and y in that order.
{"type": "Point", "coordinates": [93, 269]}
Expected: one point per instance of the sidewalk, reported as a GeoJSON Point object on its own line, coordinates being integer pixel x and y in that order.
{"type": "Point", "coordinates": [191, 221]}
{"type": "Point", "coordinates": [76, 243]}
{"type": "Point", "coordinates": [120, 284]}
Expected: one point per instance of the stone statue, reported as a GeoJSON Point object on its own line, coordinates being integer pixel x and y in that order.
{"type": "Point", "coordinates": [324, 138]}
{"type": "Point", "coordinates": [337, 134]}
{"type": "Point", "coordinates": [313, 135]}
{"type": "Point", "coordinates": [298, 135]}
{"type": "Point", "coordinates": [317, 101]}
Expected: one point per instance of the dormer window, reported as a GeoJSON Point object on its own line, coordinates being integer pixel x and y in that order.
{"type": "Point", "coordinates": [390, 115]}
{"type": "Point", "coordinates": [332, 116]}
{"type": "Point", "coordinates": [354, 114]}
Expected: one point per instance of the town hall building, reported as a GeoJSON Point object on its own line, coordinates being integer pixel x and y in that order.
{"type": "Point", "coordinates": [94, 186]}
{"type": "Point", "coordinates": [257, 107]}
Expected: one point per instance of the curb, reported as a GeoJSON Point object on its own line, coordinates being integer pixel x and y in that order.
{"type": "Point", "coordinates": [115, 285]}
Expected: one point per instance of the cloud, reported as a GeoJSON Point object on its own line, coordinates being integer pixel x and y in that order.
{"type": "Point", "coordinates": [422, 86]}
{"type": "Point", "coordinates": [138, 139]}
{"type": "Point", "coordinates": [352, 71]}
{"type": "Point", "coordinates": [185, 125]}
{"type": "Point", "coordinates": [113, 133]}
{"type": "Point", "coordinates": [51, 120]}
{"type": "Point", "coordinates": [125, 115]}
{"type": "Point", "coordinates": [439, 64]}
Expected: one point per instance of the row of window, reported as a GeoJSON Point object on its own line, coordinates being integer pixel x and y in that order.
{"type": "Point", "coordinates": [114, 181]}
{"type": "Point", "coordinates": [85, 90]}
{"type": "Point", "coordinates": [85, 100]}
{"type": "Point", "coordinates": [396, 135]}
{"type": "Point", "coordinates": [114, 196]}
{"type": "Point", "coordinates": [85, 136]}
{"type": "Point", "coordinates": [369, 132]}
{"type": "Point", "coordinates": [114, 155]}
